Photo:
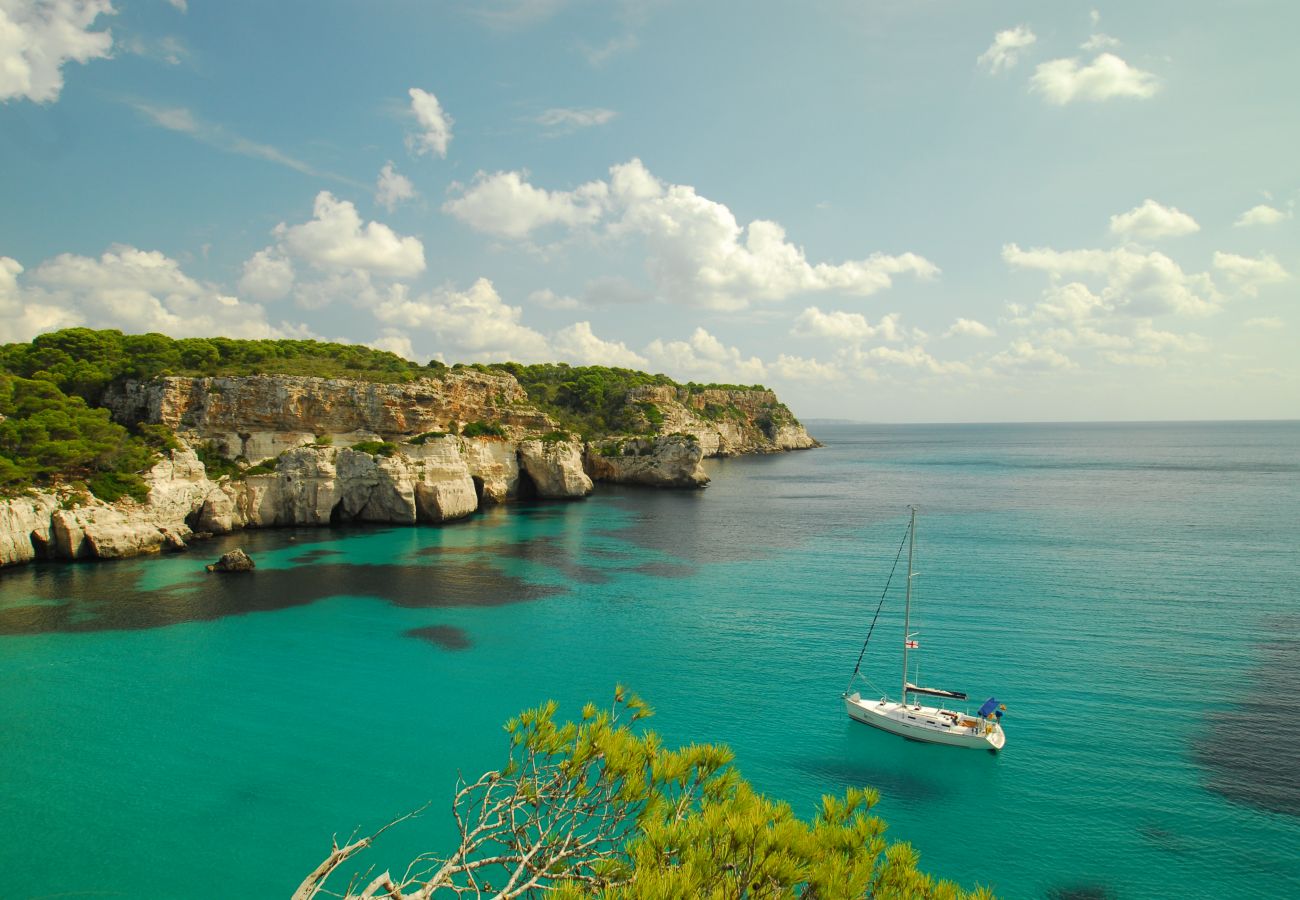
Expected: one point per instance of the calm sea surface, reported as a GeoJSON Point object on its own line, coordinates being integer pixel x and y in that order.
{"type": "Point", "coordinates": [1131, 592]}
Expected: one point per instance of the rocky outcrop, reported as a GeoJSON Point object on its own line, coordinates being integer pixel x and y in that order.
{"type": "Point", "coordinates": [259, 416]}
{"type": "Point", "coordinates": [671, 461]}
{"type": "Point", "coordinates": [25, 528]}
{"type": "Point", "coordinates": [234, 561]}
{"type": "Point", "coordinates": [726, 422]}
{"type": "Point", "coordinates": [555, 468]}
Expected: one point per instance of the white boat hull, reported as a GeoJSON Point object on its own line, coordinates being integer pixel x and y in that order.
{"type": "Point", "coordinates": [930, 724]}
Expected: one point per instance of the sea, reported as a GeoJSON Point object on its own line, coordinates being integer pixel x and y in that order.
{"type": "Point", "coordinates": [1130, 592]}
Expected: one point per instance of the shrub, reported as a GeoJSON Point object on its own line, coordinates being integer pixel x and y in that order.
{"type": "Point", "coordinates": [483, 429]}
{"type": "Point", "coordinates": [555, 437]}
{"type": "Point", "coordinates": [111, 486]}
{"type": "Point", "coordinates": [375, 448]}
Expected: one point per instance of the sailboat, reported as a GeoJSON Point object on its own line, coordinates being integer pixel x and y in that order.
{"type": "Point", "coordinates": [907, 716]}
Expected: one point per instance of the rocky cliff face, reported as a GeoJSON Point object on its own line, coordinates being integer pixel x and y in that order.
{"type": "Point", "coordinates": [671, 461]}
{"type": "Point", "coordinates": [727, 422]}
{"type": "Point", "coordinates": [260, 416]}
{"type": "Point", "coordinates": [439, 478]}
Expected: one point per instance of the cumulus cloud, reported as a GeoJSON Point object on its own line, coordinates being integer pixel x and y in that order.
{"type": "Point", "coordinates": [267, 275]}
{"type": "Point", "coordinates": [1151, 220]}
{"type": "Point", "coordinates": [845, 326]}
{"type": "Point", "coordinates": [969, 328]}
{"type": "Point", "coordinates": [548, 299]}
{"type": "Point", "coordinates": [336, 239]}
{"type": "Point", "coordinates": [798, 368]}
{"type": "Point", "coordinates": [504, 204]}
{"type": "Point", "coordinates": [1099, 42]}
{"type": "Point", "coordinates": [577, 343]}
{"type": "Point", "coordinates": [1005, 50]}
{"type": "Point", "coordinates": [1133, 282]}
{"type": "Point", "coordinates": [475, 323]}
{"type": "Point", "coordinates": [1024, 355]}
{"type": "Point", "coordinates": [705, 357]}
{"type": "Point", "coordinates": [1063, 81]}
{"type": "Point", "coordinates": [1268, 323]}
{"type": "Point", "coordinates": [559, 120]}
{"type": "Point", "coordinates": [126, 288]}
{"type": "Point", "coordinates": [435, 125]}
{"type": "Point", "coordinates": [392, 188]}
{"type": "Point", "coordinates": [1250, 273]}
{"type": "Point", "coordinates": [697, 252]}
{"type": "Point", "coordinates": [1263, 214]}
{"type": "Point", "coordinates": [38, 39]}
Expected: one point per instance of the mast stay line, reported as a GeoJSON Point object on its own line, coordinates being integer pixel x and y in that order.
{"type": "Point", "coordinates": [880, 605]}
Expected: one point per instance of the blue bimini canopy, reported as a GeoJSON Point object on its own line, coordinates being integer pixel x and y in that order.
{"type": "Point", "coordinates": [989, 705]}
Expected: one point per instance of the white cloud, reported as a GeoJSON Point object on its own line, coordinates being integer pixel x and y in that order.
{"type": "Point", "coordinates": [392, 188]}
{"type": "Point", "coordinates": [700, 254]}
{"type": "Point", "coordinates": [845, 326]}
{"type": "Point", "coordinates": [562, 121]}
{"type": "Point", "coordinates": [1024, 355]}
{"type": "Point", "coordinates": [598, 56]}
{"type": "Point", "coordinates": [705, 357]}
{"type": "Point", "coordinates": [474, 324]}
{"type": "Point", "coordinates": [126, 288]}
{"type": "Point", "coordinates": [504, 204]}
{"type": "Point", "coordinates": [1004, 52]}
{"type": "Point", "coordinates": [1133, 283]}
{"type": "Point", "coordinates": [697, 252]}
{"type": "Point", "coordinates": [798, 368]}
{"type": "Point", "coordinates": [267, 275]}
{"type": "Point", "coordinates": [577, 344]}
{"type": "Point", "coordinates": [969, 328]}
{"type": "Point", "coordinates": [335, 239]}
{"type": "Point", "coordinates": [1063, 81]}
{"type": "Point", "coordinates": [1249, 273]}
{"type": "Point", "coordinates": [548, 299]}
{"type": "Point", "coordinates": [182, 5]}
{"type": "Point", "coordinates": [1263, 214]}
{"type": "Point", "coordinates": [182, 120]}
{"type": "Point", "coordinates": [1268, 323]}
{"type": "Point", "coordinates": [1099, 42]}
{"type": "Point", "coordinates": [1151, 220]}
{"type": "Point", "coordinates": [394, 342]}
{"type": "Point", "coordinates": [435, 125]}
{"type": "Point", "coordinates": [38, 38]}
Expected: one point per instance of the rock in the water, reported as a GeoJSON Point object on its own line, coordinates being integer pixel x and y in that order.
{"type": "Point", "coordinates": [555, 468]}
{"type": "Point", "coordinates": [234, 561]}
{"type": "Point", "coordinates": [672, 461]}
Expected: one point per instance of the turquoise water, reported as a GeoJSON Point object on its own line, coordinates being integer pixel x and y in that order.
{"type": "Point", "coordinates": [1131, 592]}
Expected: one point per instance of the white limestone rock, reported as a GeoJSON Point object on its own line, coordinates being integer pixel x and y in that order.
{"type": "Point", "coordinates": [555, 468]}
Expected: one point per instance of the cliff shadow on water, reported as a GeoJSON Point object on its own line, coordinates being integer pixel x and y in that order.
{"type": "Point", "coordinates": [112, 596]}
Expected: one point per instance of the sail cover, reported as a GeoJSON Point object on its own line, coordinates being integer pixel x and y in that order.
{"type": "Point", "coordinates": [935, 692]}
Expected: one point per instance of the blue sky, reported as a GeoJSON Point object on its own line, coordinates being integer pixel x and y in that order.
{"type": "Point", "coordinates": [894, 211]}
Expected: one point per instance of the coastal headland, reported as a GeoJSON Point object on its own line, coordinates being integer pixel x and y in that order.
{"type": "Point", "coordinates": [430, 445]}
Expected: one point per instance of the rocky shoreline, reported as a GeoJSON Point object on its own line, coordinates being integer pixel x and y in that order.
{"type": "Point", "coordinates": [422, 471]}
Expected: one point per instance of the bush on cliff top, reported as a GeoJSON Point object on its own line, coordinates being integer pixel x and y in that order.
{"type": "Point", "coordinates": [84, 362]}
{"type": "Point", "coordinates": [47, 434]}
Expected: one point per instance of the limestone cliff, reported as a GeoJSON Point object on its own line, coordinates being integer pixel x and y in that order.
{"type": "Point", "coordinates": [260, 416]}
{"type": "Point", "coordinates": [431, 468]}
{"type": "Point", "coordinates": [726, 422]}
{"type": "Point", "coordinates": [670, 461]}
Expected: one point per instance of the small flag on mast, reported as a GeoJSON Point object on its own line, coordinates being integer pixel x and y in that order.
{"type": "Point", "coordinates": [912, 645]}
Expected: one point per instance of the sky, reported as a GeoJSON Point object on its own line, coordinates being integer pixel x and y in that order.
{"type": "Point", "coordinates": [885, 210]}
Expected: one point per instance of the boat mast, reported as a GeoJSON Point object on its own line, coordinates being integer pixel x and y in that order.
{"type": "Point", "coordinates": [907, 606]}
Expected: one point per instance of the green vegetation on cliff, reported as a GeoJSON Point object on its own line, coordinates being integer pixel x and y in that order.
{"type": "Point", "coordinates": [84, 362]}
{"type": "Point", "coordinates": [592, 400]}
{"type": "Point", "coordinates": [45, 433]}
{"type": "Point", "coordinates": [598, 808]}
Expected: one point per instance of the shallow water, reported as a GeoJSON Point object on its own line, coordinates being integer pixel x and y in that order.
{"type": "Point", "coordinates": [1129, 591]}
